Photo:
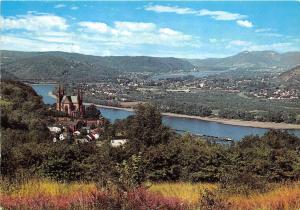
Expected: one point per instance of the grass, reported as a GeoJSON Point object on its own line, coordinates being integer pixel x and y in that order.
{"type": "Point", "coordinates": [188, 192]}
{"type": "Point", "coordinates": [52, 188]}
{"type": "Point", "coordinates": [282, 197]}
{"type": "Point", "coordinates": [47, 194]}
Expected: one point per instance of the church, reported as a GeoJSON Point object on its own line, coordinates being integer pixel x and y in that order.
{"type": "Point", "coordinates": [71, 105]}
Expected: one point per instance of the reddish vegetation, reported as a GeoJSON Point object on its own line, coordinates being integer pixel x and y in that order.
{"type": "Point", "coordinates": [147, 200]}
{"type": "Point", "coordinates": [138, 199]}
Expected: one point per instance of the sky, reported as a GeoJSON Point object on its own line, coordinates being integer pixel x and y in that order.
{"type": "Point", "coordinates": [184, 29]}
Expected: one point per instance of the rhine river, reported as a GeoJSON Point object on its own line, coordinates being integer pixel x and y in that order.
{"type": "Point", "coordinates": [194, 126]}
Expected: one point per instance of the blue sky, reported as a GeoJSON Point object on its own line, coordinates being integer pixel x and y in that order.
{"type": "Point", "coordinates": [169, 29]}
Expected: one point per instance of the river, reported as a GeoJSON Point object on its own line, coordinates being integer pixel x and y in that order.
{"type": "Point", "coordinates": [194, 126]}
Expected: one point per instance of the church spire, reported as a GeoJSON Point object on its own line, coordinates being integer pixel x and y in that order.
{"type": "Point", "coordinates": [60, 94]}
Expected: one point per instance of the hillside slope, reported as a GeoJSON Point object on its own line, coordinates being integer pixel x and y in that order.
{"type": "Point", "coordinates": [292, 75]}
{"type": "Point", "coordinates": [251, 60]}
{"type": "Point", "coordinates": [77, 67]}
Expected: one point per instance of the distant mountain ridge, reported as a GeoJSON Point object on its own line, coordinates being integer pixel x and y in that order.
{"type": "Point", "coordinates": [251, 60]}
{"type": "Point", "coordinates": [79, 67]}
{"type": "Point", "coordinates": [292, 75]}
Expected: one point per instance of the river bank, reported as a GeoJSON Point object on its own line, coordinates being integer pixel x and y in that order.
{"type": "Point", "coordinates": [235, 122]}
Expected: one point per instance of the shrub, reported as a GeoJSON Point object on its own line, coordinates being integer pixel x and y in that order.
{"type": "Point", "coordinates": [213, 201]}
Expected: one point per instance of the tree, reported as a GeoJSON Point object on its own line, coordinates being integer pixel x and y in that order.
{"type": "Point", "coordinates": [92, 112]}
{"type": "Point", "coordinates": [146, 128]}
{"type": "Point", "coordinates": [131, 173]}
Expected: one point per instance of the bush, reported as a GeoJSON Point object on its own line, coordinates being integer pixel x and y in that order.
{"type": "Point", "coordinates": [243, 183]}
{"type": "Point", "coordinates": [213, 201]}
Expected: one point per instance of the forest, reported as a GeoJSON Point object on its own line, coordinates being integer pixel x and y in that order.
{"type": "Point", "coordinates": [125, 177]}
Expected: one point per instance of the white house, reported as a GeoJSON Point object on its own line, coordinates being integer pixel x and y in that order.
{"type": "Point", "coordinates": [96, 136]}
{"type": "Point", "coordinates": [55, 129]}
{"type": "Point", "coordinates": [118, 142]}
{"type": "Point", "coordinates": [76, 133]}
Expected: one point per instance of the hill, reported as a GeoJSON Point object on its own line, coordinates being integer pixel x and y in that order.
{"type": "Point", "coordinates": [78, 67]}
{"type": "Point", "coordinates": [7, 76]}
{"type": "Point", "coordinates": [49, 67]}
{"type": "Point", "coordinates": [254, 60]}
{"type": "Point", "coordinates": [292, 75]}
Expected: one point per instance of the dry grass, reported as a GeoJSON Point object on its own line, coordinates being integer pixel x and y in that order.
{"type": "Point", "coordinates": [50, 188]}
{"type": "Point", "coordinates": [47, 194]}
{"type": "Point", "coordinates": [282, 197]}
{"type": "Point", "coordinates": [188, 192]}
{"type": "Point", "coordinates": [67, 195]}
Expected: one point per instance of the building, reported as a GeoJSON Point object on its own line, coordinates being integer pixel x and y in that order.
{"type": "Point", "coordinates": [118, 142]}
{"type": "Point", "coordinates": [71, 105]}
{"type": "Point", "coordinates": [55, 129]}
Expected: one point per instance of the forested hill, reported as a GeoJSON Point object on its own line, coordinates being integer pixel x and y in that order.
{"type": "Point", "coordinates": [24, 119]}
{"type": "Point", "coordinates": [78, 67]}
{"type": "Point", "coordinates": [23, 113]}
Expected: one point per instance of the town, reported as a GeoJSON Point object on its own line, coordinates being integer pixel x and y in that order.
{"type": "Point", "coordinates": [76, 123]}
{"type": "Point", "coordinates": [127, 87]}
{"type": "Point", "coordinates": [261, 94]}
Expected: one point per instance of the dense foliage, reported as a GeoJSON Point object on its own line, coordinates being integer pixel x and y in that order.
{"type": "Point", "coordinates": [153, 151]}
{"type": "Point", "coordinates": [56, 65]}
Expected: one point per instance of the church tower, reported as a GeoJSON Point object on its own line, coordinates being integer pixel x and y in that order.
{"type": "Point", "coordinates": [59, 96]}
{"type": "Point", "coordinates": [80, 101]}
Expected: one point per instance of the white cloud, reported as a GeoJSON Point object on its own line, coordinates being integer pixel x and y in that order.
{"type": "Point", "coordinates": [213, 40]}
{"type": "Point", "coordinates": [221, 15]}
{"type": "Point", "coordinates": [59, 6]}
{"type": "Point", "coordinates": [51, 39]}
{"type": "Point", "coordinates": [95, 26]}
{"type": "Point", "coordinates": [119, 28]}
{"type": "Point", "coordinates": [217, 15]}
{"type": "Point", "coordinates": [240, 43]}
{"type": "Point", "coordinates": [262, 30]}
{"type": "Point", "coordinates": [268, 32]}
{"type": "Point", "coordinates": [245, 23]}
{"type": "Point", "coordinates": [273, 34]}
{"type": "Point", "coordinates": [134, 26]}
{"type": "Point", "coordinates": [26, 44]}
{"type": "Point", "coordinates": [31, 22]}
{"type": "Point", "coordinates": [168, 31]}
{"type": "Point", "coordinates": [74, 8]}
{"type": "Point", "coordinates": [134, 33]}
{"type": "Point", "coordinates": [169, 9]}
{"type": "Point", "coordinates": [280, 47]}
